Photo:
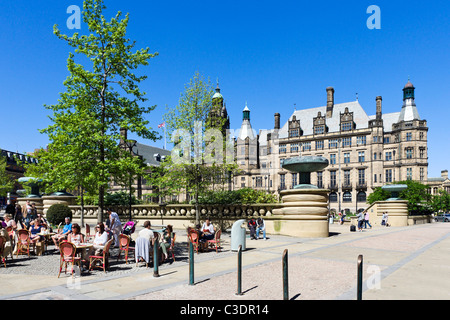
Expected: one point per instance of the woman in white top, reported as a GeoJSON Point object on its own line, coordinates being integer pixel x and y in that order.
{"type": "Point", "coordinates": [100, 240]}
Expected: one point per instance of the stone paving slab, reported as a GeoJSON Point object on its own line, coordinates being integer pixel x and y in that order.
{"type": "Point", "coordinates": [318, 269]}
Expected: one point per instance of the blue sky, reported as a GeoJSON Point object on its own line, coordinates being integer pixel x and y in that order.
{"type": "Point", "coordinates": [271, 54]}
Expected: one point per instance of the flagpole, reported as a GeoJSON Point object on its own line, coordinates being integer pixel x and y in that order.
{"type": "Point", "coordinates": [164, 128]}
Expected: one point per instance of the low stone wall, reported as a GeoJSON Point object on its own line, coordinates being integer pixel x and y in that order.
{"type": "Point", "coordinates": [183, 215]}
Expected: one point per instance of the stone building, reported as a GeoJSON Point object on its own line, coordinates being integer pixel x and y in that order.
{"type": "Point", "coordinates": [364, 150]}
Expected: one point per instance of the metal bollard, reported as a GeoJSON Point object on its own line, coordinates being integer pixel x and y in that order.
{"type": "Point", "coordinates": [156, 259]}
{"type": "Point", "coordinates": [285, 275]}
{"type": "Point", "coordinates": [239, 272]}
{"type": "Point", "coordinates": [191, 264]}
{"type": "Point", "coordinates": [360, 277]}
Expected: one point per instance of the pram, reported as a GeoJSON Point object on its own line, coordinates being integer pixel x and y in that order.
{"type": "Point", "coordinates": [129, 227]}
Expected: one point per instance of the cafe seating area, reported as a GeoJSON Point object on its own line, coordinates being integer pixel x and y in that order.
{"type": "Point", "coordinates": [73, 259]}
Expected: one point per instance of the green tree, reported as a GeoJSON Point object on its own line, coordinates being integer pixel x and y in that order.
{"type": "Point", "coordinates": [417, 196]}
{"type": "Point", "coordinates": [440, 202]}
{"type": "Point", "coordinates": [6, 181]}
{"type": "Point", "coordinates": [378, 194]}
{"type": "Point", "coordinates": [195, 132]}
{"type": "Point", "coordinates": [100, 99]}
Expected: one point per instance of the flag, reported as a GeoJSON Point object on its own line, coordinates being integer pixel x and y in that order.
{"type": "Point", "coordinates": [162, 125]}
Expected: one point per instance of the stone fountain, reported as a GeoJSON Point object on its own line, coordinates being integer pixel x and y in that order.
{"type": "Point", "coordinates": [304, 209]}
{"type": "Point", "coordinates": [396, 207]}
{"type": "Point", "coordinates": [34, 196]}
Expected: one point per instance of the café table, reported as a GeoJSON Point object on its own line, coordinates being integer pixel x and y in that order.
{"type": "Point", "coordinates": [47, 236]}
{"type": "Point", "coordinates": [81, 249]}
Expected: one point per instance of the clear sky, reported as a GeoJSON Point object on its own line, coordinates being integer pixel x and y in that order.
{"type": "Point", "coordinates": [273, 54]}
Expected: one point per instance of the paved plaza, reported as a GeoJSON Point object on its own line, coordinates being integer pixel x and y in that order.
{"type": "Point", "coordinates": [399, 263]}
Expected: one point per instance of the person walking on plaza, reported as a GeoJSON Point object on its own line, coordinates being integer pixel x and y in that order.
{"type": "Point", "coordinates": [260, 225]}
{"type": "Point", "coordinates": [366, 220]}
{"type": "Point", "coordinates": [18, 217]}
{"type": "Point", "coordinates": [384, 219]}
{"type": "Point", "coordinates": [115, 226]}
{"type": "Point", "coordinates": [360, 217]}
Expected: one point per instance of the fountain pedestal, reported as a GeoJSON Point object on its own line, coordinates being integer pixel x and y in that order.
{"type": "Point", "coordinates": [303, 213]}
{"type": "Point", "coordinates": [304, 209]}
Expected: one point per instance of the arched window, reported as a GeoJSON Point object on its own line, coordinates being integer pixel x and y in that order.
{"type": "Point", "coordinates": [361, 196]}
{"type": "Point", "coordinates": [333, 197]}
{"type": "Point", "coordinates": [347, 197]}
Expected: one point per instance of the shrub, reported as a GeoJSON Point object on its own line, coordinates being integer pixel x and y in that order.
{"type": "Point", "coordinates": [57, 213]}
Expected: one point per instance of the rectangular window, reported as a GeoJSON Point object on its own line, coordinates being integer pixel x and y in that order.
{"type": "Point", "coordinates": [319, 129]}
{"type": "Point", "coordinates": [294, 180]}
{"type": "Point", "coordinates": [347, 157]}
{"type": "Point", "coordinates": [388, 175]}
{"type": "Point", "coordinates": [282, 148]}
{"type": "Point", "coordinates": [386, 140]}
{"type": "Point", "coordinates": [374, 178]}
{"type": "Point", "coordinates": [320, 179]}
{"type": "Point", "coordinates": [409, 153]}
{"type": "Point", "coordinates": [388, 156]}
{"type": "Point", "coordinates": [361, 140]}
{"type": "Point", "coordinates": [293, 133]}
{"type": "Point", "coordinates": [362, 177]}
{"type": "Point", "coordinates": [408, 173]}
{"type": "Point", "coordinates": [374, 156]}
{"type": "Point", "coordinates": [422, 153]}
{"type": "Point", "coordinates": [306, 146]}
{"type": "Point", "coordinates": [347, 142]}
{"type": "Point", "coordinates": [332, 178]}
{"type": "Point", "coordinates": [408, 136]}
{"type": "Point", "coordinates": [422, 176]}
{"type": "Point", "coordinates": [282, 181]}
{"type": "Point", "coordinates": [332, 143]}
{"type": "Point", "coordinates": [294, 147]}
{"type": "Point", "coordinates": [361, 157]}
{"type": "Point", "coordinates": [421, 135]}
{"type": "Point", "coordinates": [319, 145]}
{"type": "Point", "coordinates": [346, 126]}
{"type": "Point", "coordinates": [332, 159]}
{"type": "Point", "coordinates": [346, 177]}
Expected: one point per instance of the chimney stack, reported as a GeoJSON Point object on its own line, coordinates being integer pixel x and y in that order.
{"type": "Point", "coordinates": [444, 174]}
{"type": "Point", "coordinates": [379, 113]}
{"type": "Point", "coordinates": [277, 121]}
{"type": "Point", "coordinates": [330, 101]}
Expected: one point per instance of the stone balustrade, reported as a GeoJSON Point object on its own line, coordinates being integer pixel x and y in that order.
{"type": "Point", "coordinates": [183, 211]}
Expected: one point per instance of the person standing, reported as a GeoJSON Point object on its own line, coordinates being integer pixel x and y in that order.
{"type": "Point", "coordinates": [384, 219]}
{"type": "Point", "coordinates": [18, 217]}
{"type": "Point", "coordinates": [115, 226]}
{"type": "Point", "coordinates": [360, 217]}
{"type": "Point", "coordinates": [366, 220]}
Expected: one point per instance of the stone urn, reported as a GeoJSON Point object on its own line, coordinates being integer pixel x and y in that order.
{"type": "Point", "coordinates": [304, 209]}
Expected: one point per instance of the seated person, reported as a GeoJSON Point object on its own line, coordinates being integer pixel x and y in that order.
{"type": "Point", "coordinates": [64, 233]}
{"type": "Point", "coordinates": [207, 230]}
{"type": "Point", "coordinates": [8, 245]}
{"type": "Point", "coordinates": [34, 230]}
{"type": "Point", "coordinates": [167, 240]}
{"type": "Point", "coordinates": [76, 237]}
{"type": "Point", "coordinates": [147, 232]}
{"type": "Point", "coordinates": [100, 240]}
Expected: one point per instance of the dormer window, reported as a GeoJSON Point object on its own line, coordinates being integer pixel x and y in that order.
{"type": "Point", "coordinates": [346, 120]}
{"type": "Point", "coordinates": [294, 128]}
{"type": "Point", "coordinates": [319, 124]}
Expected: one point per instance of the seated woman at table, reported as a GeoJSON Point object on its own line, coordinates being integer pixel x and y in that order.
{"type": "Point", "coordinates": [35, 229]}
{"type": "Point", "coordinates": [100, 240]}
{"type": "Point", "coordinates": [207, 230]}
{"type": "Point", "coordinates": [166, 240]}
{"type": "Point", "coordinates": [76, 237]}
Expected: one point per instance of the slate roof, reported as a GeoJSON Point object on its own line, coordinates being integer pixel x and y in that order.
{"type": "Point", "coordinates": [148, 152]}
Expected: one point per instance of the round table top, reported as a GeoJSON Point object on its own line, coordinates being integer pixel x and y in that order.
{"type": "Point", "coordinates": [83, 245]}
